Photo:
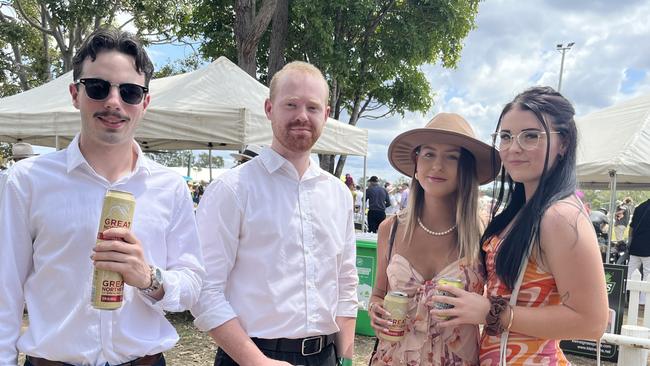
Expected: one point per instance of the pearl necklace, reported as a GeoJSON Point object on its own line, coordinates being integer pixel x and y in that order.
{"type": "Point", "coordinates": [436, 233]}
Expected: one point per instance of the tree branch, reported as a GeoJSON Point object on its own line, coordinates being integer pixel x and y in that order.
{"type": "Point", "coordinates": [30, 21]}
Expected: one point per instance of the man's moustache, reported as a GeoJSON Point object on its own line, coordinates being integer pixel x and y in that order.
{"type": "Point", "coordinates": [111, 114]}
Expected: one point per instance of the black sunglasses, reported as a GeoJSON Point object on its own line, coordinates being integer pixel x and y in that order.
{"type": "Point", "coordinates": [98, 89]}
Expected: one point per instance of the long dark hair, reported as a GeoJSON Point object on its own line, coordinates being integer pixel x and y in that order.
{"type": "Point", "coordinates": [556, 182]}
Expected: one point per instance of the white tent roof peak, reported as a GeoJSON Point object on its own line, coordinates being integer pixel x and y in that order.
{"type": "Point", "coordinates": [616, 138]}
{"type": "Point", "coordinates": [218, 106]}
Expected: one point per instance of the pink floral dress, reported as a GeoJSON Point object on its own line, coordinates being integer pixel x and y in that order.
{"type": "Point", "coordinates": [425, 343]}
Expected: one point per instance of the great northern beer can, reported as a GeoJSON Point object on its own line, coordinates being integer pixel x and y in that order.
{"type": "Point", "coordinates": [396, 303]}
{"type": "Point", "coordinates": [447, 281]}
{"type": "Point", "coordinates": [108, 286]}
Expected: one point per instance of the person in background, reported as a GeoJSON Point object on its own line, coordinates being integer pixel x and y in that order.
{"type": "Point", "coordinates": [49, 214]}
{"type": "Point", "coordinates": [404, 195]}
{"type": "Point", "coordinates": [394, 197]}
{"type": "Point", "coordinates": [349, 182]}
{"type": "Point", "coordinates": [436, 237]}
{"type": "Point", "coordinates": [629, 204]}
{"type": "Point", "coordinates": [378, 200]}
{"type": "Point", "coordinates": [621, 220]}
{"type": "Point", "coordinates": [19, 151]}
{"type": "Point", "coordinates": [537, 290]}
{"type": "Point", "coordinates": [249, 152]}
{"type": "Point", "coordinates": [279, 244]}
{"type": "Point", "coordinates": [640, 241]}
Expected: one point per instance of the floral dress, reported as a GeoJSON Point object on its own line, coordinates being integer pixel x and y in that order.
{"type": "Point", "coordinates": [425, 343]}
{"type": "Point", "coordinates": [537, 289]}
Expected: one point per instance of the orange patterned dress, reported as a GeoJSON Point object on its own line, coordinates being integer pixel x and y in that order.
{"type": "Point", "coordinates": [538, 289]}
{"type": "Point", "coordinates": [425, 343]}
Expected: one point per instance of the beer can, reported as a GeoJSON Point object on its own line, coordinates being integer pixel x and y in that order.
{"type": "Point", "coordinates": [447, 281]}
{"type": "Point", "coordinates": [396, 303]}
{"type": "Point", "coordinates": [108, 286]}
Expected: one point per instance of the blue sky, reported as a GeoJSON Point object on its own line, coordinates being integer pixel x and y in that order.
{"type": "Point", "coordinates": [511, 49]}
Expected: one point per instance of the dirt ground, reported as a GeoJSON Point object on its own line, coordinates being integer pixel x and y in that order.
{"type": "Point", "coordinates": [197, 349]}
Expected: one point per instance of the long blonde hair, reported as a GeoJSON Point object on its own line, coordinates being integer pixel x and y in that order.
{"type": "Point", "coordinates": [467, 210]}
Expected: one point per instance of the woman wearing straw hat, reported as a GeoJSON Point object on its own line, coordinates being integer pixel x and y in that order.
{"type": "Point", "coordinates": [436, 236]}
{"type": "Point", "coordinates": [545, 279]}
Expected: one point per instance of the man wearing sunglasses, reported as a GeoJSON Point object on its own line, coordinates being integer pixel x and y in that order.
{"type": "Point", "coordinates": [49, 214]}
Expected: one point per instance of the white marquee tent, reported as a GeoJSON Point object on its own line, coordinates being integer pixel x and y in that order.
{"type": "Point", "coordinates": [614, 149]}
{"type": "Point", "coordinates": [216, 107]}
{"type": "Point", "coordinates": [614, 143]}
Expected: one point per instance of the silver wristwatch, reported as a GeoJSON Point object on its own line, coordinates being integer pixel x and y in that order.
{"type": "Point", "coordinates": [156, 281]}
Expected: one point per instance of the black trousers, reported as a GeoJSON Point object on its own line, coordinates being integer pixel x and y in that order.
{"type": "Point", "coordinates": [327, 357]}
{"type": "Point", "coordinates": [375, 217]}
{"type": "Point", "coordinates": [161, 362]}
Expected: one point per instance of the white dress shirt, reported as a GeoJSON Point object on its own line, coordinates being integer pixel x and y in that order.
{"type": "Point", "coordinates": [279, 250]}
{"type": "Point", "coordinates": [49, 217]}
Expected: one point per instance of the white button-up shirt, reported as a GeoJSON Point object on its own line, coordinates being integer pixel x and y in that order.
{"type": "Point", "coordinates": [49, 217]}
{"type": "Point", "coordinates": [279, 250]}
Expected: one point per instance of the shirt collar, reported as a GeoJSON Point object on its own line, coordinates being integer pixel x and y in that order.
{"type": "Point", "coordinates": [75, 158]}
{"type": "Point", "coordinates": [273, 161]}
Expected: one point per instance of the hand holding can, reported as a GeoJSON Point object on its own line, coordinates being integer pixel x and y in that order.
{"type": "Point", "coordinates": [447, 281]}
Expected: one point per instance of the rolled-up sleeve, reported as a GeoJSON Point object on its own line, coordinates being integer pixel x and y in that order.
{"type": "Point", "coordinates": [218, 218]}
{"type": "Point", "coordinates": [348, 278]}
{"type": "Point", "coordinates": [15, 265]}
{"type": "Point", "coordinates": [184, 271]}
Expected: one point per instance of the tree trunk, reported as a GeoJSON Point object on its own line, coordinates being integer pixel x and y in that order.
{"type": "Point", "coordinates": [47, 63]}
{"type": "Point", "coordinates": [339, 166]}
{"type": "Point", "coordinates": [249, 28]}
{"type": "Point", "coordinates": [279, 33]}
{"type": "Point", "coordinates": [326, 162]}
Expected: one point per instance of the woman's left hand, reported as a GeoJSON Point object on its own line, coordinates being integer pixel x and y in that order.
{"type": "Point", "coordinates": [468, 307]}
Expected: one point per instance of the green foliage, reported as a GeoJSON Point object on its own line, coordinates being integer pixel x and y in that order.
{"type": "Point", "coordinates": [600, 198]}
{"type": "Point", "coordinates": [181, 66]}
{"type": "Point", "coordinates": [5, 150]}
{"type": "Point", "coordinates": [203, 161]}
{"type": "Point", "coordinates": [172, 157]}
{"type": "Point", "coordinates": [29, 62]}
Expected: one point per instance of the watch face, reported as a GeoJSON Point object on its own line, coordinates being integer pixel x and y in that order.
{"type": "Point", "coordinates": [157, 275]}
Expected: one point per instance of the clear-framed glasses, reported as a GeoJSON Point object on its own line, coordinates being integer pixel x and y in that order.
{"type": "Point", "coordinates": [98, 89]}
{"type": "Point", "coordinates": [527, 139]}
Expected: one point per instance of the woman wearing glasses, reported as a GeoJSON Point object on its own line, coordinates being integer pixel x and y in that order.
{"type": "Point", "coordinates": [436, 237]}
{"type": "Point", "coordinates": [541, 250]}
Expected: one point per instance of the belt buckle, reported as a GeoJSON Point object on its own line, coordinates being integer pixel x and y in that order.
{"type": "Point", "coordinates": [308, 339]}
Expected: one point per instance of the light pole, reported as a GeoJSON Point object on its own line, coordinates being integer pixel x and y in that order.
{"type": "Point", "coordinates": [562, 47]}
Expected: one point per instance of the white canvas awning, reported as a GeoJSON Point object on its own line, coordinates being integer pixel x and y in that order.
{"type": "Point", "coordinates": [216, 107]}
{"type": "Point", "coordinates": [615, 140]}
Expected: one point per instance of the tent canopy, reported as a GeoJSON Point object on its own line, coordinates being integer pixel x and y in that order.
{"type": "Point", "coordinates": [216, 107]}
{"type": "Point", "coordinates": [615, 139]}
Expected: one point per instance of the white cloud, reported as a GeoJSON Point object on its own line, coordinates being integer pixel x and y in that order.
{"type": "Point", "coordinates": [514, 47]}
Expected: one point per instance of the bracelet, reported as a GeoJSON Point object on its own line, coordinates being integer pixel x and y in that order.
{"type": "Point", "coordinates": [493, 324]}
{"type": "Point", "coordinates": [344, 361]}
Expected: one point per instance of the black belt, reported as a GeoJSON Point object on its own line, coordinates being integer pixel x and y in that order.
{"type": "Point", "coordinates": [142, 361]}
{"type": "Point", "coordinates": [305, 346]}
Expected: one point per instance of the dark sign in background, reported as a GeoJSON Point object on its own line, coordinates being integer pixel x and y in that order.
{"type": "Point", "coordinates": [615, 276]}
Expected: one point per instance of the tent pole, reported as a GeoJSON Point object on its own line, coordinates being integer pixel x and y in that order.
{"type": "Point", "coordinates": [210, 160]}
{"type": "Point", "coordinates": [612, 210]}
{"type": "Point", "coordinates": [363, 187]}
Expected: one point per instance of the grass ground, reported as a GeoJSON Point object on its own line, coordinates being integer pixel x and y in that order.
{"type": "Point", "coordinates": [196, 348]}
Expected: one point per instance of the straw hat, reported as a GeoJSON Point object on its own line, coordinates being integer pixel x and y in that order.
{"type": "Point", "coordinates": [444, 128]}
{"type": "Point", "coordinates": [21, 150]}
{"type": "Point", "coordinates": [249, 152]}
